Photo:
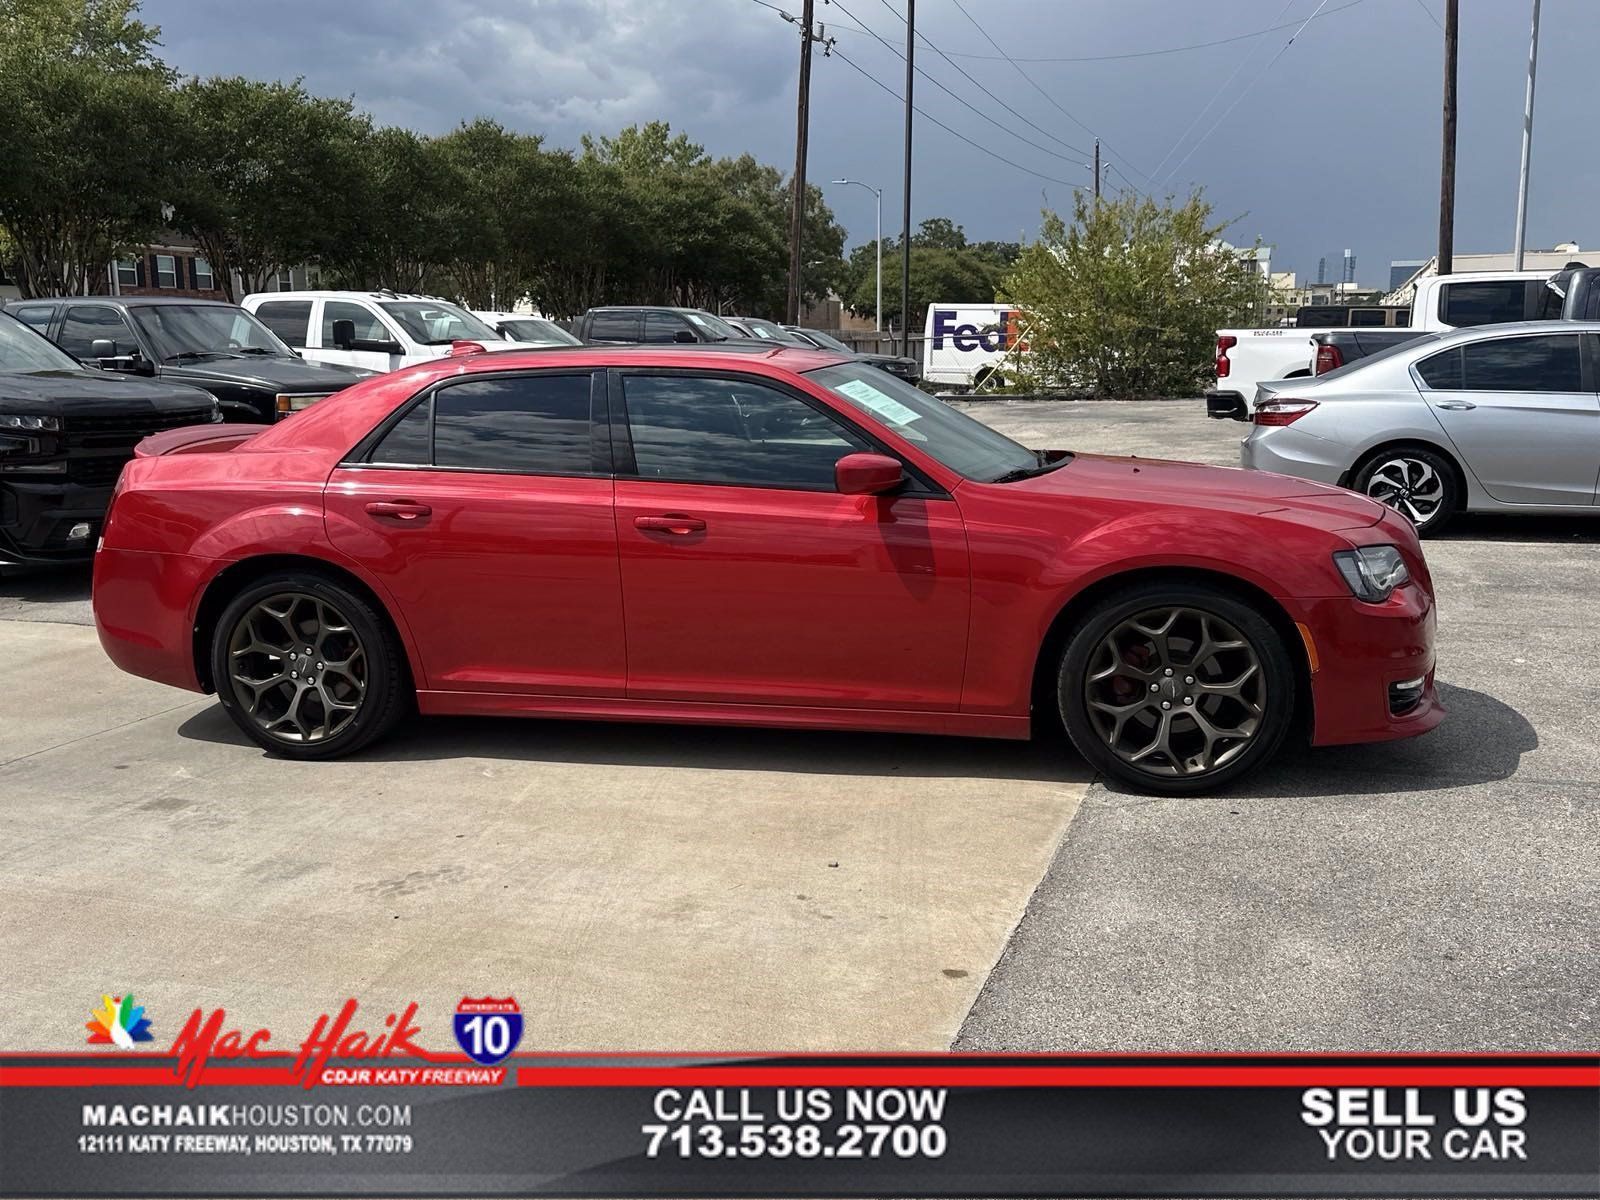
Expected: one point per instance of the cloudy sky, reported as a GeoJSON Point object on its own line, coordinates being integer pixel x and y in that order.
{"type": "Point", "coordinates": [1326, 142]}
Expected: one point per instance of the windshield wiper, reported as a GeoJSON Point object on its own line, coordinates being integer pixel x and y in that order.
{"type": "Point", "coordinates": [1043, 467]}
{"type": "Point", "coordinates": [184, 355]}
{"type": "Point", "coordinates": [252, 350]}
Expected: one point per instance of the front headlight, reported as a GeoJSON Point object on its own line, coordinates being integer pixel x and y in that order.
{"type": "Point", "coordinates": [1373, 572]}
{"type": "Point", "coordinates": [18, 421]}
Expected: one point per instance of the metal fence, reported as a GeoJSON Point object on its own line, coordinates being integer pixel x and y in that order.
{"type": "Point", "coordinates": [880, 343]}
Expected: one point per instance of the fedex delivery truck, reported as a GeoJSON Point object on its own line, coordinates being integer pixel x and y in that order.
{"type": "Point", "coordinates": [968, 344]}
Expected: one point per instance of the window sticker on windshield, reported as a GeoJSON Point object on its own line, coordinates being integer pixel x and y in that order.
{"type": "Point", "coordinates": [698, 320]}
{"type": "Point", "coordinates": [884, 405]}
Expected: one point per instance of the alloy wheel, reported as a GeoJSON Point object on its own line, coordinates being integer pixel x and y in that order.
{"type": "Point", "coordinates": [297, 667]}
{"type": "Point", "coordinates": [1176, 691]}
{"type": "Point", "coordinates": [1409, 485]}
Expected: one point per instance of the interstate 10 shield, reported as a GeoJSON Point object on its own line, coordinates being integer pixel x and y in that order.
{"type": "Point", "coordinates": [488, 1029]}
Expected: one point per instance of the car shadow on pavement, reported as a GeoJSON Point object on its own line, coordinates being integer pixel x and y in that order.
{"type": "Point", "coordinates": [1482, 740]}
{"type": "Point", "coordinates": [1047, 759]}
{"type": "Point", "coordinates": [45, 585]}
{"type": "Point", "coordinates": [1513, 527]}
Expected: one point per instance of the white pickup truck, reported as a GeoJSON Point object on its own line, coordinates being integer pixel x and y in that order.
{"type": "Point", "coordinates": [1247, 357]}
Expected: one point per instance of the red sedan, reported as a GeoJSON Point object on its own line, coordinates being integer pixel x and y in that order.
{"type": "Point", "coordinates": [767, 537]}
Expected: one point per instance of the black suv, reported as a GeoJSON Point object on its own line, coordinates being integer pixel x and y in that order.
{"type": "Point", "coordinates": [65, 433]}
{"type": "Point", "coordinates": [216, 346]}
{"type": "Point", "coordinates": [640, 324]}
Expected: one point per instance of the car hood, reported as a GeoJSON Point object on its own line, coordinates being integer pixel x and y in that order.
{"type": "Point", "coordinates": [65, 393]}
{"type": "Point", "coordinates": [1184, 483]}
{"type": "Point", "coordinates": [278, 374]}
{"type": "Point", "coordinates": [886, 358]}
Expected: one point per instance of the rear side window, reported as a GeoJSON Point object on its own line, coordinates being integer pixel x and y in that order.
{"type": "Point", "coordinates": [410, 443]}
{"type": "Point", "coordinates": [614, 327]}
{"type": "Point", "coordinates": [35, 316]}
{"type": "Point", "coordinates": [531, 424]}
{"type": "Point", "coordinates": [1545, 363]}
{"type": "Point", "coordinates": [289, 319]}
{"type": "Point", "coordinates": [662, 327]}
{"type": "Point", "coordinates": [1442, 371]}
{"type": "Point", "coordinates": [1487, 302]}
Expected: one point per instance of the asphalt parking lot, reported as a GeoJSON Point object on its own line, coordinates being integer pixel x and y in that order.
{"type": "Point", "coordinates": [660, 888]}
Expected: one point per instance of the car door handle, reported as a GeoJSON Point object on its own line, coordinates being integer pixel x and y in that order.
{"type": "Point", "coordinates": [671, 523]}
{"type": "Point", "coordinates": [404, 510]}
{"type": "Point", "coordinates": [1457, 405]}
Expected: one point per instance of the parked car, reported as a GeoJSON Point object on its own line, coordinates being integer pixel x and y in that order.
{"type": "Point", "coordinates": [897, 365]}
{"type": "Point", "coordinates": [527, 329]}
{"type": "Point", "coordinates": [65, 433]}
{"type": "Point", "coordinates": [378, 331]}
{"type": "Point", "coordinates": [1248, 357]}
{"type": "Point", "coordinates": [1335, 348]}
{"type": "Point", "coordinates": [1352, 316]}
{"type": "Point", "coordinates": [637, 324]}
{"type": "Point", "coordinates": [208, 343]}
{"type": "Point", "coordinates": [1573, 294]}
{"type": "Point", "coordinates": [969, 345]}
{"type": "Point", "coordinates": [770, 331]}
{"type": "Point", "coordinates": [1498, 419]}
{"type": "Point", "coordinates": [754, 536]}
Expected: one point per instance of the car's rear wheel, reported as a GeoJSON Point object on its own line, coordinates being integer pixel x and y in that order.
{"type": "Point", "coordinates": [306, 668]}
{"type": "Point", "coordinates": [1414, 481]}
{"type": "Point", "coordinates": [1176, 688]}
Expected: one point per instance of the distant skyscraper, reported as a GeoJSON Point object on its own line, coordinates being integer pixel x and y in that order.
{"type": "Point", "coordinates": [1349, 266]}
{"type": "Point", "coordinates": [1322, 270]}
{"type": "Point", "coordinates": [1402, 269]}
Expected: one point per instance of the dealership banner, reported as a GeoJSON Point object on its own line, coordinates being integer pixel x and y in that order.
{"type": "Point", "coordinates": [365, 1110]}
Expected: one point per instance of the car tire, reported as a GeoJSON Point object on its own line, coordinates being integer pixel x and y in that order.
{"type": "Point", "coordinates": [307, 668]}
{"type": "Point", "coordinates": [987, 375]}
{"type": "Point", "coordinates": [1412, 480]}
{"type": "Point", "coordinates": [1156, 677]}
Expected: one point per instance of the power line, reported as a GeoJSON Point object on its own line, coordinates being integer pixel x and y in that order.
{"type": "Point", "coordinates": [1264, 70]}
{"type": "Point", "coordinates": [927, 41]}
{"type": "Point", "coordinates": [953, 133]}
{"type": "Point", "coordinates": [1031, 82]}
{"type": "Point", "coordinates": [1000, 125]}
{"type": "Point", "coordinates": [1429, 13]}
{"type": "Point", "coordinates": [1238, 37]}
{"type": "Point", "coordinates": [1217, 95]}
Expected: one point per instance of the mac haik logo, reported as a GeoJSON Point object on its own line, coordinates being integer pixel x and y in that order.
{"type": "Point", "coordinates": [119, 1023]}
{"type": "Point", "coordinates": [488, 1029]}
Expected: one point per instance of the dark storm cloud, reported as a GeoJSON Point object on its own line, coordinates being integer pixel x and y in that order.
{"type": "Point", "coordinates": [1335, 144]}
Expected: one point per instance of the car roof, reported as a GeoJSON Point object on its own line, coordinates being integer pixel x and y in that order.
{"type": "Point", "coordinates": [1470, 333]}
{"type": "Point", "coordinates": [125, 301]}
{"type": "Point", "coordinates": [336, 294]}
{"type": "Point", "coordinates": [676, 308]}
{"type": "Point", "coordinates": [793, 358]}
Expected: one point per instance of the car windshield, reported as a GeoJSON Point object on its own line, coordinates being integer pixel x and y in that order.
{"type": "Point", "coordinates": [179, 331]}
{"type": "Point", "coordinates": [22, 349]}
{"type": "Point", "coordinates": [966, 446]}
{"type": "Point", "coordinates": [771, 331]}
{"type": "Point", "coordinates": [539, 331]}
{"type": "Point", "coordinates": [715, 326]}
{"type": "Point", "coordinates": [826, 342]}
{"type": "Point", "coordinates": [438, 323]}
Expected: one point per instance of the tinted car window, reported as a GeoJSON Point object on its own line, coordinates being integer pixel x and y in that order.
{"type": "Point", "coordinates": [1489, 302]}
{"type": "Point", "coordinates": [614, 327]}
{"type": "Point", "coordinates": [22, 349]}
{"type": "Point", "coordinates": [1545, 363]}
{"type": "Point", "coordinates": [87, 322]}
{"type": "Point", "coordinates": [411, 441]}
{"type": "Point", "coordinates": [1441, 371]}
{"type": "Point", "coordinates": [532, 423]}
{"type": "Point", "coordinates": [35, 316]}
{"type": "Point", "coordinates": [368, 327]}
{"type": "Point", "coordinates": [719, 429]}
{"type": "Point", "coordinates": [663, 327]}
{"type": "Point", "coordinates": [289, 319]}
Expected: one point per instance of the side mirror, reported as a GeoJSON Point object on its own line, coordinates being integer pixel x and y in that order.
{"type": "Point", "coordinates": [867, 474]}
{"type": "Point", "coordinates": [102, 348]}
{"type": "Point", "coordinates": [685, 335]}
{"type": "Point", "coordinates": [344, 333]}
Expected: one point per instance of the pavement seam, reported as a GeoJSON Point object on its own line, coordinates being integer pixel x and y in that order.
{"type": "Point", "coordinates": [93, 734]}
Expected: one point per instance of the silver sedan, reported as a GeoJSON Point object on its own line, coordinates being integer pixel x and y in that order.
{"type": "Point", "coordinates": [1497, 418]}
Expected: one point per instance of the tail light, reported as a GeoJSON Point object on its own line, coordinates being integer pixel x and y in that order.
{"type": "Point", "coordinates": [1282, 412]}
{"type": "Point", "coordinates": [1328, 359]}
{"type": "Point", "coordinates": [1225, 342]}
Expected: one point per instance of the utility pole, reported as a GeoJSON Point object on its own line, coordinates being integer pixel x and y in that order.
{"type": "Point", "coordinates": [1447, 161]}
{"type": "Point", "coordinates": [1527, 144]}
{"type": "Point", "coordinates": [1097, 168]}
{"type": "Point", "coordinates": [905, 217]}
{"type": "Point", "coordinates": [797, 218]}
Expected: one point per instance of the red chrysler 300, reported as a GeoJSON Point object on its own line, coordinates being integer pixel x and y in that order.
{"type": "Point", "coordinates": [767, 537]}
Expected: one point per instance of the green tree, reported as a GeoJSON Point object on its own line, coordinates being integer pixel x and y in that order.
{"type": "Point", "coordinates": [1126, 298]}
{"type": "Point", "coordinates": [409, 214]}
{"type": "Point", "coordinates": [267, 176]}
{"type": "Point", "coordinates": [940, 233]}
{"type": "Point", "coordinates": [939, 275]}
{"type": "Point", "coordinates": [87, 112]}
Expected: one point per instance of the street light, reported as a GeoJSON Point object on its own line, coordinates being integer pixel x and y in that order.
{"type": "Point", "coordinates": [878, 194]}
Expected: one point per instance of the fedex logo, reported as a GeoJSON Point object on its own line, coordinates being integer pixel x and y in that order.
{"type": "Point", "coordinates": [965, 336]}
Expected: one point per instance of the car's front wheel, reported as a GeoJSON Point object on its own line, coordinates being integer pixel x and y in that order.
{"type": "Point", "coordinates": [1176, 688]}
{"type": "Point", "coordinates": [306, 668]}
